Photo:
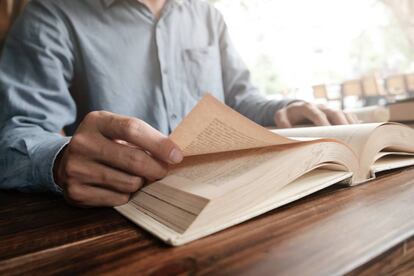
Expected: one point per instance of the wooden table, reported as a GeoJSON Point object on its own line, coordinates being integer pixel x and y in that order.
{"type": "Point", "coordinates": [367, 229]}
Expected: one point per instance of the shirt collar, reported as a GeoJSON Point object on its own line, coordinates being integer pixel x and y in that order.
{"type": "Point", "coordinates": [108, 3]}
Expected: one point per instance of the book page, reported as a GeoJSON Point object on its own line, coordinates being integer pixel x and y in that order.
{"type": "Point", "coordinates": [234, 182]}
{"type": "Point", "coordinates": [401, 111]}
{"type": "Point", "coordinates": [308, 184]}
{"type": "Point", "coordinates": [213, 127]}
{"type": "Point", "coordinates": [393, 161]}
{"type": "Point", "coordinates": [370, 114]}
{"type": "Point", "coordinates": [368, 141]}
{"type": "Point", "coordinates": [353, 135]}
{"type": "Point", "coordinates": [211, 176]}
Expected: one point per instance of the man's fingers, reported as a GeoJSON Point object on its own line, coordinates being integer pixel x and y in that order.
{"type": "Point", "coordinates": [109, 157]}
{"type": "Point", "coordinates": [97, 174]}
{"type": "Point", "coordinates": [140, 134]}
{"type": "Point", "coordinates": [281, 119]}
{"type": "Point", "coordinates": [335, 117]}
{"type": "Point", "coordinates": [131, 160]}
{"type": "Point", "coordinates": [315, 115]}
{"type": "Point", "coordinates": [91, 196]}
{"type": "Point", "coordinates": [352, 119]}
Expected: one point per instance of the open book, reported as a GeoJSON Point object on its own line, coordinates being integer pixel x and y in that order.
{"type": "Point", "coordinates": [402, 110]}
{"type": "Point", "coordinates": [398, 111]}
{"type": "Point", "coordinates": [234, 169]}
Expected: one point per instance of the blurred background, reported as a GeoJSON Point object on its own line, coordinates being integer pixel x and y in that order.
{"type": "Point", "coordinates": [346, 53]}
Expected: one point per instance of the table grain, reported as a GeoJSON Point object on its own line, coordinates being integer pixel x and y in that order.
{"type": "Point", "coordinates": [363, 230]}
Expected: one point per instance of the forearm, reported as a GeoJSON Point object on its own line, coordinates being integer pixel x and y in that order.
{"type": "Point", "coordinates": [36, 69]}
{"type": "Point", "coordinates": [27, 157]}
{"type": "Point", "coordinates": [256, 106]}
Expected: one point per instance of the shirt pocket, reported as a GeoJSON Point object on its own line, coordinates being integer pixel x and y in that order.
{"type": "Point", "coordinates": [203, 70]}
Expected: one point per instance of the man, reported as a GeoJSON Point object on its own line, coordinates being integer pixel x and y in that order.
{"type": "Point", "coordinates": [146, 63]}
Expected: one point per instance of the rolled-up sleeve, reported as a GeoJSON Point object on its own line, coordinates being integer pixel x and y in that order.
{"type": "Point", "coordinates": [239, 91]}
{"type": "Point", "coordinates": [36, 68]}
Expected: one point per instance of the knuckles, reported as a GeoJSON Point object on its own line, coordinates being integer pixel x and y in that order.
{"type": "Point", "coordinates": [94, 115]}
{"type": "Point", "coordinates": [282, 117]}
{"type": "Point", "coordinates": [74, 192]}
{"type": "Point", "coordinates": [77, 143]}
{"type": "Point", "coordinates": [134, 185]}
{"type": "Point", "coordinates": [137, 160]}
{"type": "Point", "coordinates": [336, 113]}
{"type": "Point", "coordinates": [70, 168]}
{"type": "Point", "coordinates": [130, 126]}
{"type": "Point", "coordinates": [279, 116]}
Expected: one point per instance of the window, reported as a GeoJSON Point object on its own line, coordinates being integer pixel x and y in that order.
{"type": "Point", "coordinates": [291, 45]}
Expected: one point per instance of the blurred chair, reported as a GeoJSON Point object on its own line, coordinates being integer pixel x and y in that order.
{"type": "Point", "coordinates": [396, 86]}
{"type": "Point", "coordinates": [321, 95]}
{"type": "Point", "coordinates": [373, 91]}
{"type": "Point", "coordinates": [372, 87]}
{"type": "Point", "coordinates": [351, 89]}
{"type": "Point", "coordinates": [409, 82]}
{"type": "Point", "coordinates": [320, 92]}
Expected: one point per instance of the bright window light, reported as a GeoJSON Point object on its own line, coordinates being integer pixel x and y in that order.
{"type": "Point", "coordinates": [291, 45]}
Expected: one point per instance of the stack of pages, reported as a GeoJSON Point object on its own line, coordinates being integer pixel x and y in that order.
{"type": "Point", "coordinates": [234, 169]}
{"type": "Point", "coordinates": [401, 111]}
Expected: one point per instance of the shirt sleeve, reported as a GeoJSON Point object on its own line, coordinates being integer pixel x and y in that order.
{"type": "Point", "coordinates": [36, 67]}
{"type": "Point", "coordinates": [240, 93]}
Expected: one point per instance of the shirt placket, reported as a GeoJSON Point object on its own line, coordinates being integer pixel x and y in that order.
{"type": "Point", "coordinates": [162, 37]}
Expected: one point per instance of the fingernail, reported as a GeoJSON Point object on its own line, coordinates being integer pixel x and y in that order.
{"type": "Point", "coordinates": [176, 156]}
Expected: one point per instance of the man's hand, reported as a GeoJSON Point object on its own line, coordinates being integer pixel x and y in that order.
{"type": "Point", "coordinates": [109, 157]}
{"type": "Point", "coordinates": [303, 112]}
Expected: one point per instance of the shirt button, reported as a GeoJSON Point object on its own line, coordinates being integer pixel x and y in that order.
{"type": "Point", "coordinates": [173, 116]}
{"type": "Point", "coordinates": [165, 71]}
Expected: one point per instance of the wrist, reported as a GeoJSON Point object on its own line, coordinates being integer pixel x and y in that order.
{"type": "Point", "coordinates": [57, 175]}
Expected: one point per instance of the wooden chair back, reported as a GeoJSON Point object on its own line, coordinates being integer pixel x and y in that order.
{"type": "Point", "coordinates": [372, 87]}
{"type": "Point", "coordinates": [320, 92]}
{"type": "Point", "coordinates": [352, 88]}
{"type": "Point", "coordinates": [409, 82]}
{"type": "Point", "coordinates": [396, 85]}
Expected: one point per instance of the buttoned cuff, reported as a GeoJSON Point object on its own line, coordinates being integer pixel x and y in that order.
{"type": "Point", "coordinates": [45, 157]}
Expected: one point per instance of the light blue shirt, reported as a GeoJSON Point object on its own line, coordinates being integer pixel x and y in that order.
{"type": "Point", "coordinates": [66, 58]}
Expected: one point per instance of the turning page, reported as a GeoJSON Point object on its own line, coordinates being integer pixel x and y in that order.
{"type": "Point", "coordinates": [234, 170]}
{"type": "Point", "coordinates": [212, 127]}
{"type": "Point", "coordinates": [377, 144]}
{"type": "Point", "coordinates": [354, 136]}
